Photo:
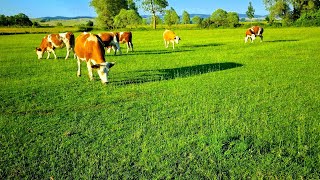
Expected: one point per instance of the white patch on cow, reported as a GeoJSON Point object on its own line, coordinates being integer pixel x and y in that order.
{"type": "Point", "coordinates": [92, 38]}
{"type": "Point", "coordinates": [39, 53]}
{"type": "Point", "coordinates": [121, 33]}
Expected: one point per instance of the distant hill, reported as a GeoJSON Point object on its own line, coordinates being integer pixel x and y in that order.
{"type": "Point", "coordinates": [48, 18]}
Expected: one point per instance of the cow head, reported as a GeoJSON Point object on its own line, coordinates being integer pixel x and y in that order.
{"type": "Point", "coordinates": [252, 37]}
{"type": "Point", "coordinates": [39, 52]}
{"type": "Point", "coordinates": [103, 70]}
{"type": "Point", "coordinates": [176, 39]}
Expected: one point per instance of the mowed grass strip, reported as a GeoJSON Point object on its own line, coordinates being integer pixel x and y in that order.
{"type": "Point", "coordinates": [214, 107]}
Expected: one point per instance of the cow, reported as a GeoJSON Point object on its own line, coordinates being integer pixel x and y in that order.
{"type": "Point", "coordinates": [123, 37]}
{"type": "Point", "coordinates": [252, 32]}
{"type": "Point", "coordinates": [52, 41]}
{"type": "Point", "coordinates": [170, 36]}
{"type": "Point", "coordinates": [90, 48]}
{"type": "Point", "coordinates": [126, 37]}
{"type": "Point", "coordinates": [110, 39]}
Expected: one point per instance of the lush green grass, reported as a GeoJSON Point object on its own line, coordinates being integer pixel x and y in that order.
{"type": "Point", "coordinates": [212, 108]}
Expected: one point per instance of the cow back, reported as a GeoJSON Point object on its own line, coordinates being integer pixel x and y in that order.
{"type": "Point", "coordinates": [168, 35]}
{"type": "Point", "coordinates": [90, 47]}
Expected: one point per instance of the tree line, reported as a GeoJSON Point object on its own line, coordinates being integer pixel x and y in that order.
{"type": "Point", "coordinates": [120, 13]}
{"type": "Point", "coordinates": [16, 20]}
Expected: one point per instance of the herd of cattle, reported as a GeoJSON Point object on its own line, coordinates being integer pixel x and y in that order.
{"type": "Point", "coordinates": [91, 48]}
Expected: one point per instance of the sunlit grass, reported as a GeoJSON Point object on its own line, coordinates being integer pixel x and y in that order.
{"type": "Point", "coordinates": [214, 107]}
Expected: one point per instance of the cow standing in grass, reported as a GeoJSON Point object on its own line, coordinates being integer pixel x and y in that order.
{"type": "Point", "coordinates": [52, 41]}
{"type": "Point", "coordinates": [170, 36]}
{"type": "Point", "coordinates": [89, 48]}
{"type": "Point", "coordinates": [126, 37]}
{"type": "Point", "coordinates": [110, 39]}
{"type": "Point", "coordinates": [252, 32]}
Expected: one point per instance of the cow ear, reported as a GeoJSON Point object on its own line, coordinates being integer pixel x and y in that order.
{"type": "Point", "coordinates": [96, 66]}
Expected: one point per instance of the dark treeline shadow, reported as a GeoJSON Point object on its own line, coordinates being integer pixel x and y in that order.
{"type": "Point", "coordinates": [137, 77]}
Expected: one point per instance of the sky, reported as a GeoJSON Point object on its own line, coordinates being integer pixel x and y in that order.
{"type": "Point", "coordinates": [72, 8]}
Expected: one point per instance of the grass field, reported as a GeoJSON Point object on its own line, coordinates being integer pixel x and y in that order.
{"type": "Point", "coordinates": [213, 108]}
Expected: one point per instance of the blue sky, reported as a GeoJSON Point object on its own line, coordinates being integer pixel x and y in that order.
{"type": "Point", "coordinates": [71, 8]}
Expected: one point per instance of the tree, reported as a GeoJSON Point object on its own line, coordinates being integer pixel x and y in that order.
{"type": "Point", "coordinates": [185, 17]}
{"type": "Point", "coordinates": [219, 17]}
{"type": "Point", "coordinates": [89, 23]}
{"type": "Point", "coordinates": [250, 11]}
{"type": "Point", "coordinates": [232, 19]}
{"type": "Point", "coordinates": [22, 20]}
{"type": "Point", "coordinates": [127, 17]}
{"type": "Point", "coordinates": [299, 7]}
{"type": "Point", "coordinates": [107, 10]}
{"type": "Point", "coordinates": [196, 20]}
{"type": "Point", "coordinates": [171, 17]}
{"type": "Point", "coordinates": [3, 20]}
{"type": "Point", "coordinates": [154, 7]}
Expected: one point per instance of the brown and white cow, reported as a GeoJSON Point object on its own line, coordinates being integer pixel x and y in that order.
{"type": "Point", "coordinates": [126, 37]}
{"type": "Point", "coordinates": [90, 48]}
{"type": "Point", "coordinates": [52, 41]}
{"type": "Point", "coordinates": [110, 39]}
{"type": "Point", "coordinates": [170, 36]}
{"type": "Point", "coordinates": [123, 37]}
{"type": "Point", "coordinates": [252, 32]}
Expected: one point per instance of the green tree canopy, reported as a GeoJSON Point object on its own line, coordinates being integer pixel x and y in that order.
{"type": "Point", "coordinates": [185, 17]}
{"type": "Point", "coordinates": [154, 7]}
{"type": "Point", "coordinates": [219, 17]}
{"type": "Point", "coordinates": [250, 11]}
{"type": "Point", "coordinates": [232, 19]}
{"type": "Point", "coordinates": [127, 17]}
{"type": "Point", "coordinates": [171, 17]}
{"type": "Point", "coordinates": [107, 10]}
{"type": "Point", "coordinates": [196, 20]}
{"type": "Point", "coordinates": [16, 20]}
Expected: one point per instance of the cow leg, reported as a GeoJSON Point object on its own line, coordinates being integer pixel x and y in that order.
{"type": "Point", "coordinates": [172, 45]}
{"type": "Point", "coordinates": [131, 46]}
{"type": "Point", "coordinates": [68, 51]}
{"type": "Point", "coordinates": [246, 39]}
{"type": "Point", "coordinates": [79, 67]}
{"type": "Point", "coordinates": [261, 38]}
{"type": "Point", "coordinates": [55, 56]}
{"type": "Point", "coordinates": [89, 70]}
{"type": "Point", "coordinates": [48, 56]}
{"type": "Point", "coordinates": [128, 46]}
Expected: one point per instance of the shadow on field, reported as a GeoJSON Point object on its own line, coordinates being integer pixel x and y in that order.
{"type": "Point", "coordinates": [202, 45]}
{"type": "Point", "coordinates": [137, 77]}
{"type": "Point", "coordinates": [285, 40]}
{"type": "Point", "coordinates": [146, 52]}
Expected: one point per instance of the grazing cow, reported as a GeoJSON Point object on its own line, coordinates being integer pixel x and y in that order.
{"type": "Point", "coordinates": [252, 32]}
{"type": "Point", "coordinates": [126, 37]}
{"type": "Point", "coordinates": [90, 48]}
{"type": "Point", "coordinates": [170, 36]}
{"type": "Point", "coordinates": [110, 39]}
{"type": "Point", "coordinates": [52, 41]}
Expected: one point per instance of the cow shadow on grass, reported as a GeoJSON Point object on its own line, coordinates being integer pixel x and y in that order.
{"type": "Point", "coordinates": [202, 45]}
{"type": "Point", "coordinates": [147, 52]}
{"type": "Point", "coordinates": [279, 40]}
{"type": "Point", "coordinates": [139, 77]}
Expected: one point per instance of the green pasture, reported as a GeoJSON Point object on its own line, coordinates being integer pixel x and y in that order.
{"type": "Point", "coordinates": [213, 108]}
